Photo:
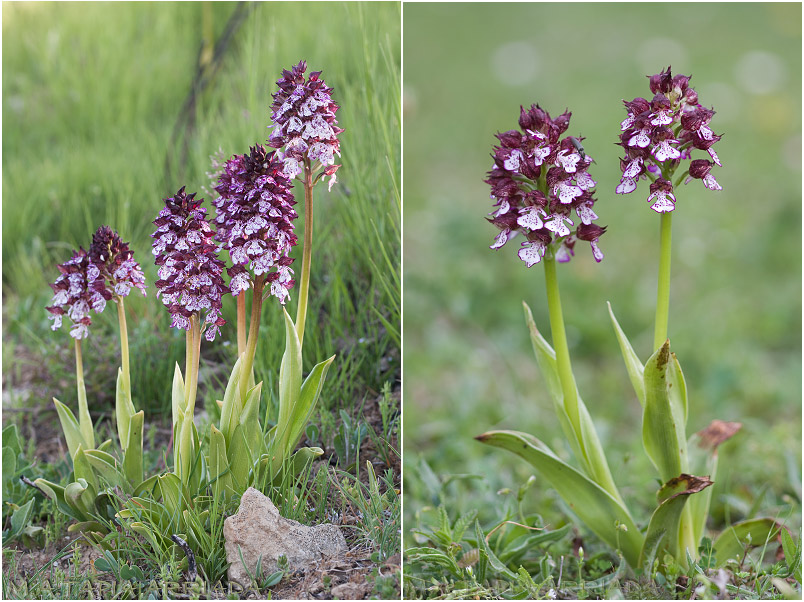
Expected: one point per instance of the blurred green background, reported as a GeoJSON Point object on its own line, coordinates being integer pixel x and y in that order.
{"type": "Point", "coordinates": [92, 115]}
{"type": "Point", "coordinates": [735, 314]}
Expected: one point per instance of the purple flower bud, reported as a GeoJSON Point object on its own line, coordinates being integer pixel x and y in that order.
{"type": "Point", "coordinates": [255, 220]}
{"type": "Point", "coordinates": [305, 127]}
{"type": "Point", "coordinates": [538, 180]}
{"type": "Point", "coordinates": [190, 278]}
{"type": "Point", "coordinates": [659, 135]}
{"type": "Point", "coordinates": [116, 264]}
{"type": "Point", "coordinates": [76, 294]}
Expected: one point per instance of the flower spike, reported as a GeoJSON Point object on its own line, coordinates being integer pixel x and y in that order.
{"type": "Point", "coordinates": [538, 180]}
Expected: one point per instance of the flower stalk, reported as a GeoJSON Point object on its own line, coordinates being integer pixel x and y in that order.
{"type": "Point", "coordinates": [307, 252]}
{"type": "Point", "coordinates": [663, 291]}
{"type": "Point", "coordinates": [560, 337]}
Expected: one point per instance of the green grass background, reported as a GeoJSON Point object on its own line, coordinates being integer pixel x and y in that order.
{"type": "Point", "coordinates": [91, 93]}
{"type": "Point", "coordinates": [735, 314]}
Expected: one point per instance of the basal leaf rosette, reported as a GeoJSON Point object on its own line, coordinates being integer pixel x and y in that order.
{"type": "Point", "coordinates": [255, 221]}
{"type": "Point", "coordinates": [538, 181]}
{"type": "Point", "coordinates": [660, 135]}
{"type": "Point", "coordinates": [305, 127]}
{"type": "Point", "coordinates": [190, 273]}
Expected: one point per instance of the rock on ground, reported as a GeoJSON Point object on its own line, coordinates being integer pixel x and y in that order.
{"type": "Point", "coordinates": [258, 531]}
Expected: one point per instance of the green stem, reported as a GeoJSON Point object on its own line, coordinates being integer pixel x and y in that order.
{"type": "Point", "coordinates": [304, 284]}
{"type": "Point", "coordinates": [663, 292]}
{"type": "Point", "coordinates": [121, 317]}
{"type": "Point", "coordinates": [253, 335]}
{"type": "Point", "coordinates": [241, 323]}
{"type": "Point", "coordinates": [194, 357]}
{"type": "Point", "coordinates": [560, 338]}
{"type": "Point", "coordinates": [84, 419]}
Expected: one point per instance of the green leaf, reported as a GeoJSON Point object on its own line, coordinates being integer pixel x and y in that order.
{"type": "Point", "coordinates": [290, 372]}
{"type": "Point", "coordinates": [546, 358]}
{"type": "Point", "coordinates": [483, 546]}
{"type": "Point", "coordinates": [595, 506]}
{"type": "Point", "coordinates": [219, 474]}
{"type": "Point", "coordinates": [70, 427]}
{"type": "Point", "coordinates": [732, 543]}
{"type": "Point", "coordinates": [106, 466]}
{"type": "Point", "coordinates": [11, 439]}
{"type": "Point", "coordinates": [663, 419]}
{"type": "Point", "coordinates": [56, 492]}
{"type": "Point", "coordinates": [582, 434]}
{"type": "Point", "coordinates": [239, 459]}
{"type": "Point", "coordinates": [89, 526]}
{"type": "Point", "coordinates": [9, 463]}
{"type": "Point", "coordinates": [292, 430]}
{"type": "Point", "coordinates": [124, 409]}
{"type": "Point", "coordinates": [173, 494]}
{"type": "Point", "coordinates": [20, 518]}
{"type": "Point", "coordinates": [74, 495]}
{"type": "Point", "coordinates": [83, 470]}
{"type": "Point", "coordinates": [132, 460]}
{"type": "Point", "coordinates": [663, 529]}
{"type": "Point", "coordinates": [177, 394]}
{"type": "Point", "coordinates": [232, 404]}
{"type": "Point", "coordinates": [250, 422]}
{"type": "Point", "coordinates": [632, 364]}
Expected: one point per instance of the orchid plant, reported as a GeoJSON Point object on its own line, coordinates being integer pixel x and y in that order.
{"type": "Point", "coordinates": [87, 281]}
{"type": "Point", "coordinates": [254, 226]}
{"type": "Point", "coordinates": [538, 178]}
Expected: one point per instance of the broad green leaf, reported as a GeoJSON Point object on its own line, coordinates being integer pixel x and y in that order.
{"type": "Point", "coordinates": [56, 492]}
{"type": "Point", "coordinates": [74, 496]}
{"type": "Point", "coordinates": [89, 526]}
{"type": "Point", "coordinates": [595, 506]}
{"type": "Point", "coordinates": [250, 422]}
{"type": "Point", "coordinates": [177, 393]}
{"type": "Point", "coordinates": [218, 463]}
{"type": "Point", "coordinates": [70, 427]}
{"type": "Point", "coordinates": [581, 435]}
{"type": "Point", "coordinates": [230, 410]}
{"type": "Point", "coordinates": [239, 459]}
{"type": "Point", "coordinates": [677, 387]}
{"type": "Point", "coordinates": [132, 460]}
{"type": "Point", "coordinates": [9, 463]}
{"type": "Point", "coordinates": [632, 364]}
{"type": "Point", "coordinates": [291, 430]}
{"type": "Point", "coordinates": [662, 419]}
{"type": "Point", "coordinates": [84, 419]}
{"type": "Point", "coordinates": [148, 486]}
{"type": "Point", "coordinates": [186, 451]}
{"type": "Point", "coordinates": [731, 544]}
{"type": "Point", "coordinates": [105, 446]}
{"type": "Point", "coordinates": [290, 372]}
{"type": "Point", "coordinates": [663, 529]}
{"type": "Point", "coordinates": [172, 494]}
{"type": "Point", "coordinates": [702, 448]}
{"type": "Point", "coordinates": [20, 518]}
{"type": "Point", "coordinates": [11, 439]}
{"type": "Point", "coordinates": [301, 458]}
{"type": "Point", "coordinates": [106, 466]}
{"type": "Point", "coordinates": [83, 470]}
{"type": "Point", "coordinates": [124, 409]}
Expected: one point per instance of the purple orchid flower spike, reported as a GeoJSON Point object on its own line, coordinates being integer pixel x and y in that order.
{"type": "Point", "coordinates": [538, 179]}
{"type": "Point", "coordinates": [190, 278]}
{"type": "Point", "coordinates": [305, 127]}
{"type": "Point", "coordinates": [255, 220]}
{"type": "Point", "coordinates": [658, 135]}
